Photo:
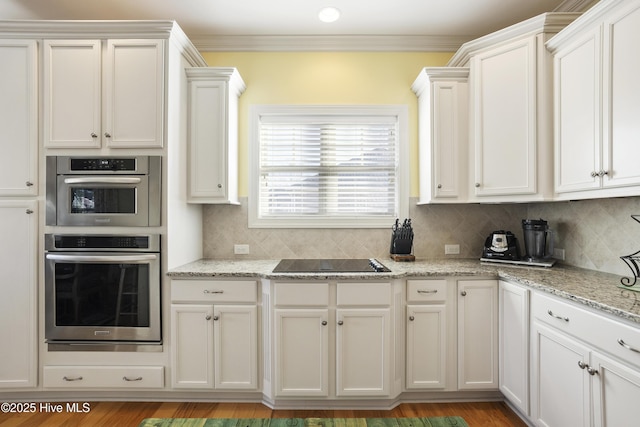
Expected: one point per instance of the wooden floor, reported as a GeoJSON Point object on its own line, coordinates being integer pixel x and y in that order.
{"type": "Point", "coordinates": [130, 414]}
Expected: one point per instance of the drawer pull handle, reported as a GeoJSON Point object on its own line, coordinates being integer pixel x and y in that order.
{"type": "Point", "coordinates": [132, 379]}
{"type": "Point", "coordinates": [550, 313]}
{"type": "Point", "coordinates": [207, 291]}
{"type": "Point", "coordinates": [72, 379]}
{"type": "Point", "coordinates": [627, 346]}
{"type": "Point", "coordinates": [432, 291]}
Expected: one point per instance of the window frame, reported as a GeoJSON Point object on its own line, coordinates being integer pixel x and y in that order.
{"type": "Point", "coordinates": [400, 112]}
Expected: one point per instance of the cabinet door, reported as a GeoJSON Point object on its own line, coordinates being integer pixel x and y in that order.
{"type": "Point", "coordinates": [192, 345]}
{"type": "Point", "coordinates": [72, 93]}
{"type": "Point", "coordinates": [426, 346]}
{"type": "Point", "coordinates": [514, 344]}
{"type": "Point", "coordinates": [504, 119]}
{"type": "Point", "coordinates": [477, 334]}
{"type": "Point", "coordinates": [208, 141]}
{"type": "Point", "coordinates": [134, 93]}
{"type": "Point", "coordinates": [236, 347]}
{"type": "Point", "coordinates": [621, 91]}
{"type": "Point", "coordinates": [301, 352]}
{"type": "Point", "coordinates": [577, 114]}
{"type": "Point", "coordinates": [616, 388]}
{"type": "Point", "coordinates": [363, 352]}
{"type": "Point", "coordinates": [18, 118]}
{"type": "Point", "coordinates": [560, 391]}
{"type": "Point", "coordinates": [449, 136]}
{"type": "Point", "coordinates": [18, 303]}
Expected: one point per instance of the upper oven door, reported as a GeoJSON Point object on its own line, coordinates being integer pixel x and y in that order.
{"type": "Point", "coordinates": [98, 200]}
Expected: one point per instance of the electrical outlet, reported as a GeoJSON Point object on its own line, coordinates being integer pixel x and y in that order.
{"type": "Point", "coordinates": [558, 254]}
{"type": "Point", "coordinates": [451, 249]}
{"type": "Point", "coordinates": [241, 249]}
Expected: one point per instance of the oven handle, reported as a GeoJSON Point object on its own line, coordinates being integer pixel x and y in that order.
{"type": "Point", "coordinates": [102, 258]}
{"type": "Point", "coordinates": [103, 180]}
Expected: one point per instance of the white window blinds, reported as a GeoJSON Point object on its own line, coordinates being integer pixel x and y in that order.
{"type": "Point", "coordinates": [332, 169]}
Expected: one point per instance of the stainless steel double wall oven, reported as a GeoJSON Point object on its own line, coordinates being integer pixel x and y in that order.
{"type": "Point", "coordinates": [103, 288]}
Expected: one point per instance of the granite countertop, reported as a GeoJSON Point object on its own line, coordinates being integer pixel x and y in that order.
{"type": "Point", "coordinates": [597, 290]}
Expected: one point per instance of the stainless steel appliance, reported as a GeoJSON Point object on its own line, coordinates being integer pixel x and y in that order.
{"type": "Point", "coordinates": [102, 289]}
{"type": "Point", "coordinates": [369, 265]}
{"type": "Point", "coordinates": [538, 244]}
{"type": "Point", "coordinates": [103, 191]}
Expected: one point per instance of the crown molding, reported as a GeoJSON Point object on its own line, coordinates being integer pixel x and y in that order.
{"type": "Point", "coordinates": [375, 43]}
{"type": "Point", "coordinates": [550, 23]}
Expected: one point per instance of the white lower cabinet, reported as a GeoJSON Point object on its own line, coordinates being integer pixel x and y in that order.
{"type": "Point", "coordinates": [302, 352]}
{"type": "Point", "coordinates": [427, 336]}
{"type": "Point", "coordinates": [514, 344]}
{"type": "Point", "coordinates": [18, 294]}
{"type": "Point", "coordinates": [326, 349]}
{"type": "Point", "coordinates": [214, 335]}
{"type": "Point", "coordinates": [585, 367]}
{"type": "Point", "coordinates": [561, 388]}
{"type": "Point", "coordinates": [616, 388]}
{"type": "Point", "coordinates": [477, 334]}
{"type": "Point", "coordinates": [103, 377]}
{"type": "Point", "coordinates": [358, 372]}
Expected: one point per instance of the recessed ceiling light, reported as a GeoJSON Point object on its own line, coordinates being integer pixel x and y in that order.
{"type": "Point", "coordinates": [329, 14]}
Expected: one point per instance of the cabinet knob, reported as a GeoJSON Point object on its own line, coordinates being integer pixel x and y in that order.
{"type": "Point", "coordinates": [477, 185]}
{"type": "Point", "coordinates": [340, 322]}
{"type": "Point", "coordinates": [107, 135]}
{"type": "Point", "coordinates": [219, 185]}
{"type": "Point", "coordinates": [603, 173]}
{"type": "Point", "coordinates": [324, 323]}
{"type": "Point", "coordinates": [594, 174]}
{"type": "Point", "coordinates": [29, 211]}
{"type": "Point", "coordinates": [463, 293]}
{"type": "Point", "coordinates": [208, 317]}
{"type": "Point", "coordinates": [592, 371]}
{"type": "Point", "coordinates": [439, 185]}
{"type": "Point", "coordinates": [94, 135]}
{"type": "Point", "coordinates": [581, 364]}
{"type": "Point", "coordinates": [412, 318]}
{"type": "Point", "coordinates": [29, 184]}
{"type": "Point", "coordinates": [216, 318]}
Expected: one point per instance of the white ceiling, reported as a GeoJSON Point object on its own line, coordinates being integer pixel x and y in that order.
{"type": "Point", "coordinates": [211, 19]}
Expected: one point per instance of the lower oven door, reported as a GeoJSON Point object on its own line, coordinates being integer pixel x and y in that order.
{"type": "Point", "coordinates": [102, 297]}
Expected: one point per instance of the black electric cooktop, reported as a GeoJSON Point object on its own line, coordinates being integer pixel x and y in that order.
{"type": "Point", "coordinates": [369, 265]}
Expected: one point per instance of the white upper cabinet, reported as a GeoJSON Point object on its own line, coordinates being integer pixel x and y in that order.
{"type": "Point", "coordinates": [442, 132]}
{"type": "Point", "coordinates": [18, 118]}
{"type": "Point", "coordinates": [503, 124]}
{"type": "Point", "coordinates": [510, 111]}
{"type": "Point", "coordinates": [213, 134]}
{"type": "Point", "coordinates": [596, 93]}
{"type": "Point", "coordinates": [107, 93]}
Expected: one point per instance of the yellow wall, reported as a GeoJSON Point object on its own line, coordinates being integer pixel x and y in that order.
{"type": "Point", "coordinates": [327, 78]}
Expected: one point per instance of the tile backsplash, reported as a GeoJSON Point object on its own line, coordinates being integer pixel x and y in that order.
{"type": "Point", "coordinates": [594, 233]}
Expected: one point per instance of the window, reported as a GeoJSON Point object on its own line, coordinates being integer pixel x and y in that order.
{"type": "Point", "coordinates": [327, 166]}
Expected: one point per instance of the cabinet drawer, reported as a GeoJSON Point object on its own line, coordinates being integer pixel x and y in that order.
{"type": "Point", "coordinates": [122, 377]}
{"type": "Point", "coordinates": [613, 337]}
{"type": "Point", "coordinates": [214, 291]}
{"type": "Point", "coordinates": [364, 294]}
{"type": "Point", "coordinates": [302, 294]}
{"type": "Point", "coordinates": [426, 290]}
